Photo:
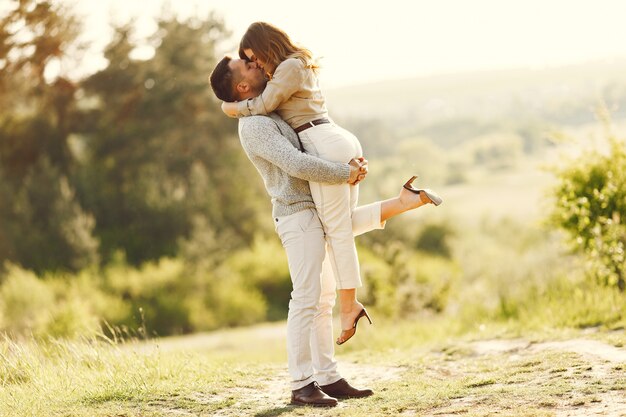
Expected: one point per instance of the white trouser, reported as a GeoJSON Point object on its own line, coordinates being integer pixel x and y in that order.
{"type": "Point", "coordinates": [336, 202]}
{"type": "Point", "coordinates": [310, 348]}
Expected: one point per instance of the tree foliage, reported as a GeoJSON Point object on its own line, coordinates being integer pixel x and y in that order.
{"type": "Point", "coordinates": [134, 157]}
{"type": "Point", "coordinates": [43, 225]}
{"type": "Point", "coordinates": [159, 153]}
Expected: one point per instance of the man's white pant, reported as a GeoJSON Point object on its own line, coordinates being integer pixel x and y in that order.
{"type": "Point", "coordinates": [336, 202]}
{"type": "Point", "coordinates": [310, 344]}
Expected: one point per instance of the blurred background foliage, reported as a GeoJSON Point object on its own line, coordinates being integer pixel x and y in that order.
{"type": "Point", "coordinates": [127, 205]}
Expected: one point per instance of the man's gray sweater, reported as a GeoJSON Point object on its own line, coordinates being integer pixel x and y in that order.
{"type": "Point", "coordinates": [272, 146]}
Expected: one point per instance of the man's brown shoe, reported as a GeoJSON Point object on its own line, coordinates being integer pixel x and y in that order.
{"type": "Point", "coordinates": [341, 389]}
{"type": "Point", "coordinates": [312, 395]}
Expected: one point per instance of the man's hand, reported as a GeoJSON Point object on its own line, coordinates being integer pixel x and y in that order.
{"type": "Point", "coordinates": [358, 170]}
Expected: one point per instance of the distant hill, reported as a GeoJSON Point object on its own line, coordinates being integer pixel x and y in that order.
{"type": "Point", "coordinates": [564, 95]}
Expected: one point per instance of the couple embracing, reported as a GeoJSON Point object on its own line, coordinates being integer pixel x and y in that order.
{"type": "Point", "coordinates": [311, 169]}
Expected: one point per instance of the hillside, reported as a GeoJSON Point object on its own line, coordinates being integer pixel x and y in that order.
{"type": "Point", "coordinates": [562, 95]}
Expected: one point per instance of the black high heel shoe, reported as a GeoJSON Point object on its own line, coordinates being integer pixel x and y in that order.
{"type": "Point", "coordinates": [429, 193]}
{"type": "Point", "coordinates": [347, 334]}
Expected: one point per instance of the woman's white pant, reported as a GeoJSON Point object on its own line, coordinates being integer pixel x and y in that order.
{"type": "Point", "coordinates": [310, 345]}
{"type": "Point", "coordinates": [336, 202]}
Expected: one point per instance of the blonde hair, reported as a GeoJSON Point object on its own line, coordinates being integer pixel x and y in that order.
{"type": "Point", "coordinates": [273, 46]}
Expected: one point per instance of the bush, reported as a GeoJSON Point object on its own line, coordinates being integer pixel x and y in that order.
{"type": "Point", "coordinates": [502, 261]}
{"type": "Point", "coordinates": [163, 297]}
{"type": "Point", "coordinates": [46, 307]}
{"type": "Point", "coordinates": [169, 296]}
{"type": "Point", "coordinates": [264, 267]}
{"type": "Point", "coordinates": [25, 302]}
{"type": "Point", "coordinates": [155, 291]}
{"type": "Point", "coordinates": [590, 205]}
{"type": "Point", "coordinates": [435, 238]}
{"type": "Point", "coordinates": [402, 283]}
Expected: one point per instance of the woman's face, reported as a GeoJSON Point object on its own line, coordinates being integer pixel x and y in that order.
{"type": "Point", "coordinates": [263, 65]}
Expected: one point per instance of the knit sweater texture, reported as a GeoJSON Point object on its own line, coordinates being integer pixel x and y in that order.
{"type": "Point", "coordinates": [273, 148]}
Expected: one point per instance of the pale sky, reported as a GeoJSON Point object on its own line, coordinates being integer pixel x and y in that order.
{"type": "Point", "coordinates": [362, 41]}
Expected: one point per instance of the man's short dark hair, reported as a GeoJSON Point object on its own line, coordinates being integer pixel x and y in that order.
{"type": "Point", "coordinates": [223, 81]}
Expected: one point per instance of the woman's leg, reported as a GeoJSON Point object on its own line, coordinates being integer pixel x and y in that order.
{"type": "Point", "coordinates": [349, 306]}
{"type": "Point", "coordinates": [335, 204]}
{"type": "Point", "coordinates": [364, 219]}
{"type": "Point", "coordinates": [333, 208]}
{"type": "Point", "coordinates": [374, 215]}
{"type": "Point", "coordinates": [406, 201]}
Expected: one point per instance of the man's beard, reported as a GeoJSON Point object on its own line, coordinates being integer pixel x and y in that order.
{"type": "Point", "coordinates": [260, 87]}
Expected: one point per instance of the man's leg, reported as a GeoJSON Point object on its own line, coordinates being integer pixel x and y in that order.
{"type": "Point", "coordinates": [302, 237]}
{"type": "Point", "coordinates": [364, 219]}
{"type": "Point", "coordinates": [322, 343]}
{"type": "Point", "coordinates": [322, 346]}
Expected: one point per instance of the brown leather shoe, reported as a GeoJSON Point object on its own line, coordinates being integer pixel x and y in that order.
{"type": "Point", "coordinates": [312, 395]}
{"type": "Point", "coordinates": [341, 389]}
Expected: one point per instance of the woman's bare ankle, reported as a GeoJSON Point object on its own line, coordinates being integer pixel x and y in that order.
{"type": "Point", "coordinates": [409, 200]}
{"type": "Point", "coordinates": [351, 307]}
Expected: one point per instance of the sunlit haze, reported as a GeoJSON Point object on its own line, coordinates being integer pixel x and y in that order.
{"type": "Point", "coordinates": [363, 41]}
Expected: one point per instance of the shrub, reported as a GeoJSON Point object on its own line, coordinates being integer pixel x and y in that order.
{"type": "Point", "coordinates": [503, 262]}
{"type": "Point", "coordinates": [53, 306]}
{"type": "Point", "coordinates": [263, 266]}
{"type": "Point", "coordinates": [434, 238]}
{"type": "Point", "coordinates": [401, 282]}
{"type": "Point", "coordinates": [590, 205]}
{"type": "Point", "coordinates": [169, 296]}
{"type": "Point", "coordinates": [156, 292]}
{"type": "Point", "coordinates": [25, 301]}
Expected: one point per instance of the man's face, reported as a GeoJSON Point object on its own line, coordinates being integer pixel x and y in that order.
{"type": "Point", "coordinates": [252, 77]}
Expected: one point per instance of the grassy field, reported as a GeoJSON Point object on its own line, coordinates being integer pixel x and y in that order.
{"type": "Point", "coordinates": [418, 368]}
{"type": "Point", "coordinates": [549, 359]}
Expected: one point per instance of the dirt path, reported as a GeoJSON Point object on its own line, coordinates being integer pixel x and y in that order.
{"type": "Point", "coordinates": [591, 349]}
{"type": "Point", "coordinates": [602, 360]}
{"type": "Point", "coordinates": [595, 361]}
{"type": "Point", "coordinates": [275, 394]}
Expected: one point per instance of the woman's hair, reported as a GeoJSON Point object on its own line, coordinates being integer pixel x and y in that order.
{"type": "Point", "coordinates": [273, 46]}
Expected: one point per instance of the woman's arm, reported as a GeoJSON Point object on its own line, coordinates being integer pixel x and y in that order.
{"type": "Point", "coordinates": [230, 109]}
{"type": "Point", "coordinates": [287, 80]}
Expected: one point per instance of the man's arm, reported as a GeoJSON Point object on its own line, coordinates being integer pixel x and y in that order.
{"type": "Point", "coordinates": [262, 137]}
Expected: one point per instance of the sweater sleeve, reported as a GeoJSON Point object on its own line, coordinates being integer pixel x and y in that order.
{"type": "Point", "coordinates": [286, 81]}
{"type": "Point", "coordinates": [263, 139]}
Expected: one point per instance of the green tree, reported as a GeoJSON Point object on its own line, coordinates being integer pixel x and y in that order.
{"type": "Point", "coordinates": [160, 155]}
{"type": "Point", "coordinates": [37, 109]}
{"type": "Point", "coordinates": [591, 207]}
{"type": "Point", "coordinates": [42, 225]}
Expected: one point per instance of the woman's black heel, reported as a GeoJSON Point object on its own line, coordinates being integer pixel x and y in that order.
{"type": "Point", "coordinates": [429, 193]}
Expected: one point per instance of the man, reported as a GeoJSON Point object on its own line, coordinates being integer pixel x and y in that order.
{"type": "Point", "coordinates": [272, 146]}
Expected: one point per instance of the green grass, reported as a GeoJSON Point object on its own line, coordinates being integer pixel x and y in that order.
{"type": "Point", "coordinates": [416, 368]}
